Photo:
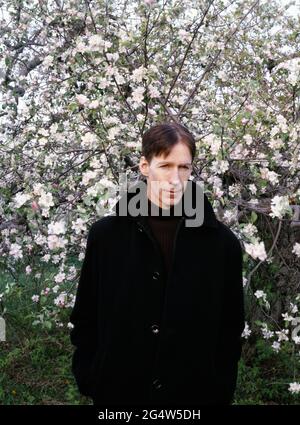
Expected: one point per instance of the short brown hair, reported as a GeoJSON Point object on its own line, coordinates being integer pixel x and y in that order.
{"type": "Point", "coordinates": [161, 138]}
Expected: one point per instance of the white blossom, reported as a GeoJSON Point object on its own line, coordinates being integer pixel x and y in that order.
{"type": "Point", "coordinates": [79, 226]}
{"type": "Point", "coordinates": [184, 35]}
{"type": "Point", "coordinates": [222, 75]}
{"type": "Point", "coordinates": [219, 166]}
{"type": "Point", "coordinates": [213, 142]}
{"type": "Point", "coordinates": [294, 308]}
{"type": "Point", "coordinates": [267, 334]}
{"type": "Point", "coordinates": [16, 251]}
{"type": "Point", "coordinates": [256, 250]}
{"type": "Point", "coordinates": [48, 60]}
{"type": "Point", "coordinates": [138, 94]}
{"type": "Point", "coordinates": [280, 206]}
{"type": "Point", "coordinates": [113, 132]}
{"type": "Point", "coordinates": [282, 335]}
{"type": "Point", "coordinates": [271, 176]}
{"type": "Point", "coordinates": [61, 300]}
{"type": "Point", "coordinates": [57, 228]}
{"type": "Point", "coordinates": [55, 242]}
{"type": "Point", "coordinates": [46, 200]}
{"type": "Point", "coordinates": [38, 189]}
{"type": "Point", "coordinates": [276, 346]}
{"type": "Point", "coordinates": [89, 140]}
{"type": "Point", "coordinates": [249, 230]}
{"type": "Point", "coordinates": [294, 387]}
{"type": "Point", "coordinates": [247, 331]}
{"type": "Point", "coordinates": [230, 215]}
{"type": "Point", "coordinates": [82, 99]}
{"type": "Point", "coordinates": [138, 74]}
{"type": "Point", "coordinates": [35, 298]}
{"type": "Point", "coordinates": [261, 294]}
{"type": "Point", "coordinates": [274, 131]}
{"type": "Point", "coordinates": [20, 199]}
{"type": "Point", "coordinates": [94, 104]}
{"type": "Point", "coordinates": [60, 277]}
{"type": "Point", "coordinates": [96, 43]}
{"type": "Point", "coordinates": [281, 120]}
{"type": "Point", "coordinates": [28, 270]}
{"type": "Point", "coordinates": [72, 273]}
{"type": "Point", "coordinates": [287, 317]}
{"type": "Point", "coordinates": [296, 339]}
{"type": "Point", "coordinates": [87, 176]}
{"type": "Point", "coordinates": [248, 139]}
{"type": "Point", "coordinates": [46, 258]}
{"type": "Point", "coordinates": [275, 143]}
{"type": "Point", "coordinates": [234, 189]}
{"type": "Point", "coordinates": [153, 91]}
{"type": "Point", "coordinates": [296, 249]}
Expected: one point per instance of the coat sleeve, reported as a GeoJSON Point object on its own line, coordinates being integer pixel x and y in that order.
{"type": "Point", "coordinates": [232, 322]}
{"type": "Point", "coordinates": [84, 315]}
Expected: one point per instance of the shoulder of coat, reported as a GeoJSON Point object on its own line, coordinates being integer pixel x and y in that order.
{"type": "Point", "coordinates": [231, 241]}
{"type": "Point", "coordinates": [103, 225]}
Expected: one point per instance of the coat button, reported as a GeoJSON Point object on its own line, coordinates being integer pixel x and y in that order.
{"type": "Point", "coordinates": [157, 384]}
{"type": "Point", "coordinates": [155, 329]}
{"type": "Point", "coordinates": [155, 275]}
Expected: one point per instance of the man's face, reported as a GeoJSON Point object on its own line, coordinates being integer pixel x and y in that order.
{"type": "Point", "coordinates": [167, 177]}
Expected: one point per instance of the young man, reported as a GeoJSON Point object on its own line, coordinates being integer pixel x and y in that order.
{"type": "Point", "coordinates": [159, 309]}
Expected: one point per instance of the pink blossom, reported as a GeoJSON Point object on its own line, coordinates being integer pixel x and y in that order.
{"type": "Point", "coordinates": [34, 205]}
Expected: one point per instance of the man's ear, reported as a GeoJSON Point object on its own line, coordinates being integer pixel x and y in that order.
{"type": "Point", "coordinates": [144, 166]}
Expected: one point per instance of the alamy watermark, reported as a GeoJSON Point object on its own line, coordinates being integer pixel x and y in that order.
{"type": "Point", "coordinates": [138, 204]}
{"type": "Point", "coordinates": [296, 329]}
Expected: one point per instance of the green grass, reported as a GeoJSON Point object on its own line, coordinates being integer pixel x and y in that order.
{"type": "Point", "coordinates": [35, 362]}
{"type": "Point", "coordinates": [36, 370]}
{"type": "Point", "coordinates": [264, 376]}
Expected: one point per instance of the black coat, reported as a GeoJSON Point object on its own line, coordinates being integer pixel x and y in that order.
{"type": "Point", "coordinates": [135, 347]}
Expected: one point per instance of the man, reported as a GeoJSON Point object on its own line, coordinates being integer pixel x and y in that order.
{"type": "Point", "coordinates": [159, 309]}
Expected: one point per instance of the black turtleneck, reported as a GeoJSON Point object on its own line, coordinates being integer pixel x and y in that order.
{"type": "Point", "coordinates": [163, 229]}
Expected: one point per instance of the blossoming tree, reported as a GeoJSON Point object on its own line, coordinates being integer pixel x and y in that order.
{"type": "Point", "coordinates": [80, 83]}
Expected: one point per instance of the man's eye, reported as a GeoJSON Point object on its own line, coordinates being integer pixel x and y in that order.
{"type": "Point", "coordinates": [181, 166]}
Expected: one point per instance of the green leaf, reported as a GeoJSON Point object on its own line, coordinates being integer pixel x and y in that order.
{"type": "Point", "coordinates": [47, 324]}
{"type": "Point", "coordinates": [73, 107]}
{"type": "Point", "coordinates": [253, 217]}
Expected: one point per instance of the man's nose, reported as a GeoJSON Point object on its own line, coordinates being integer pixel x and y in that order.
{"type": "Point", "coordinates": [174, 178]}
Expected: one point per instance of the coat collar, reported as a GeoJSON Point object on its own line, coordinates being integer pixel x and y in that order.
{"type": "Point", "coordinates": [209, 219]}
